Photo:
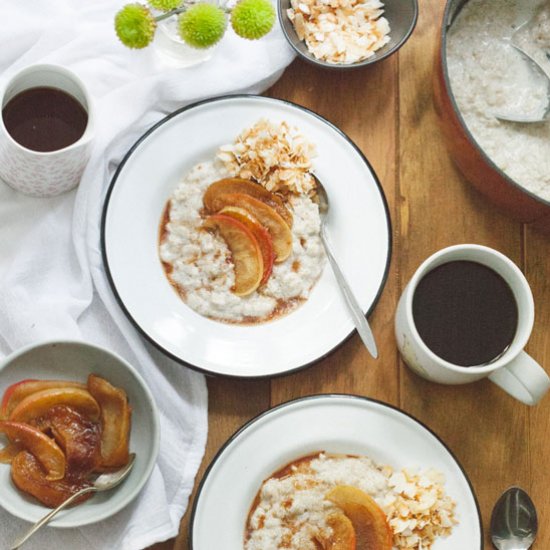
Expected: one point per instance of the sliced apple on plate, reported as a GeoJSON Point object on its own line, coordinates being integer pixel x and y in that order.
{"type": "Point", "coordinates": [267, 216]}
{"type": "Point", "coordinates": [371, 526]}
{"type": "Point", "coordinates": [37, 404]}
{"type": "Point", "coordinates": [28, 476]}
{"type": "Point", "coordinates": [247, 187]}
{"type": "Point", "coordinates": [261, 234]}
{"type": "Point", "coordinates": [78, 437]}
{"type": "Point", "coordinates": [18, 391]}
{"type": "Point", "coordinates": [44, 449]}
{"type": "Point", "coordinates": [245, 250]}
{"type": "Point", "coordinates": [343, 534]}
{"type": "Point", "coordinates": [116, 416]}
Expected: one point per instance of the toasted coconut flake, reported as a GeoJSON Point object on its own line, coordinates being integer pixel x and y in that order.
{"type": "Point", "coordinates": [276, 156]}
{"type": "Point", "coordinates": [420, 510]}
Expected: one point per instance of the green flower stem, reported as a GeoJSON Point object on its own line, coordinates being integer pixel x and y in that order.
{"type": "Point", "coordinates": [168, 14]}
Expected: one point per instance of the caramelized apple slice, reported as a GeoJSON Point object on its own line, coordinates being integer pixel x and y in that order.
{"type": "Point", "coordinates": [369, 521]}
{"type": "Point", "coordinates": [277, 227]}
{"type": "Point", "coordinates": [7, 454]}
{"type": "Point", "coordinates": [79, 437]}
{"type": "Point", "coordinates": [343, 534]}
{"type": "Point", "coordinates": [246, 253]}
{"type": "Point", "coordinates": [115, 422]}
{"type": "Point", "coordinates": [238, 185]}
{"type": "Point", "coordinates": [29, 477]}
{"type": "Point", "coordinates": [45, 449]}
{"type": "Point", "coordinates": [38, 403]}
{"type": "Point", "coordinates": [265, 242]}
{"type": "Point", "coordinates": [18, 391]}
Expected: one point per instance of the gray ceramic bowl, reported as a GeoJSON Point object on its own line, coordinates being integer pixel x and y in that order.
{"type": "Point", "coordinates": [69, 360]}
{"type": "Point", "coordinates": [401, 14]}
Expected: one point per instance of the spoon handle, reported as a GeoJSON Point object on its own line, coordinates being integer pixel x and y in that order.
{"type": "Point", "coordinates": [361, 323]}
{"type": "Point", "coordinates": [49, 516]}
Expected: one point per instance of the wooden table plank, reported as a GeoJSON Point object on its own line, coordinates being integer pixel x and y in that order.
{"type": "Point", "coordinates": [387, 110]}
{"type": "Point", "coordinates": [488, 430]}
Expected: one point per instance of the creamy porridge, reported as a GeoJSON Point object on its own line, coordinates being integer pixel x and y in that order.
{"type": "Point", "coordinates": [488, 76]}
{"type": "Point", "coordinates": [297, 506]}
{"type": "Point", "coordinates": [200, 263]}
{"type": "Point", "coordinates": [340, 31]}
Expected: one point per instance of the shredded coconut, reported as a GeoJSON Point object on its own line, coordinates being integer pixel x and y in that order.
{"type": "Point", "coordinates": [340, 31]}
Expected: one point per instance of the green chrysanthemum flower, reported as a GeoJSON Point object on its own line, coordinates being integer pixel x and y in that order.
{"type": "Point", "coordinates": [165, 5]}
{"type": "Point", "coordinates": [135, 26]}
{"type": "Point", "coordinates": [202, 25]}
{"type": "Point", "coordinates": [253, 19]}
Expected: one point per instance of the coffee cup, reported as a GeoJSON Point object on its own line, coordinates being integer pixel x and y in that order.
{"type": "Point", "coordinates": [513, 370]}
{"type": "Point", "coordinates": [38, 172]}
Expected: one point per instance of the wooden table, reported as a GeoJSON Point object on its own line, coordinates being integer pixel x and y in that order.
{"type": "Point", "coordinates": [387, 110]}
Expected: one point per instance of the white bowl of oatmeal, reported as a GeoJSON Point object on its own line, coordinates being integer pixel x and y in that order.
{"type": "Point", "coordinates": [347, 34]}
{"type": "Point", "coordinates": [275, 483]}
{"type": "Point", "coordinates": [478, 75]}
{"type": "Point", "coordinates": [229, 344]}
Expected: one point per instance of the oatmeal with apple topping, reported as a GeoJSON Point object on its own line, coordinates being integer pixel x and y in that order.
{"type": "Point", "coordinates": [239, 238]}
{"type": "Point", "coordinates": [343, 502]}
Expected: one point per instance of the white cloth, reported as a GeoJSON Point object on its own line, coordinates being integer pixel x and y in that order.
{"type": "Point", "coordinates": [52, 282]}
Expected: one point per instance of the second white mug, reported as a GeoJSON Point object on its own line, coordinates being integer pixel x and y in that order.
{"type": "Point", "coordinates": [514, 371]}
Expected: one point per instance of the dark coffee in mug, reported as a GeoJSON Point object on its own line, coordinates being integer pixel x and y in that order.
{"type": "Point", "coordinates": [465, 313]}
{"type": "Point", "coordinates": [44, 119]}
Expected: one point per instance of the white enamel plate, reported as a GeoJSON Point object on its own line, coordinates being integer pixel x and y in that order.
{"type": "Point", "coordinates": [332, 423]}
{"type": "Point", "coordinates": [359, 228]}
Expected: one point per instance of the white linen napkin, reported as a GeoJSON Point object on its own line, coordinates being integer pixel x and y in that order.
{"type": "Point", "coordinates": [52, 282]}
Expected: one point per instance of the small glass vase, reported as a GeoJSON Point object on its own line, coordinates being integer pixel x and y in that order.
{"type": "Point", "coordinates": [173, 51]}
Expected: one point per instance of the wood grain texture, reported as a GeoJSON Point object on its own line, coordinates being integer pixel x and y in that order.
{"type": "Point", "coordinates": [388, 111]}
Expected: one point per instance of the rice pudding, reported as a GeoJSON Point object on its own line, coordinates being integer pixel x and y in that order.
{"type": "Point", "coordinates": [200, 264]}
{"type": "Point", "coordinates": [489, 76]}
{"type": "Point", "coordinates": [296, 507]}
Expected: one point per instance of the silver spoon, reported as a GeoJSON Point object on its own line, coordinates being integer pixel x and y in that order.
{"type": "Point", "coordinates": [514, 521]}
{"type": "Point", "coordinates": [538, 69]}
{"type": "Point", "coordinates": [361, 323]}
{"type": "Point", "coordinates": [104, 482]}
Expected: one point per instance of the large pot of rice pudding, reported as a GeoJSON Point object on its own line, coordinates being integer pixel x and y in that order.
{"type": "Point", "coordinates": [477, 74]}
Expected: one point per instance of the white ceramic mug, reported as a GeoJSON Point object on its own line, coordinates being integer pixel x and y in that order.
{"type": "Point", "coordinates": [514, 371]}
{"type": "Point", "coordinates": [36, 173]}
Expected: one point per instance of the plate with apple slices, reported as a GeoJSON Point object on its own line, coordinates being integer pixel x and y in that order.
{"type": "Point", "coordinates": [212, 248]}
{"type": "Point", "coordinates": [335, 472]}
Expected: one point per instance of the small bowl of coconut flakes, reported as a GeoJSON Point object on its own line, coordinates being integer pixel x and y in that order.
{"type": "Point", "coordinates": [346, 34]}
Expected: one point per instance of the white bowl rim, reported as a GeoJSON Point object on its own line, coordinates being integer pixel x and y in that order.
{"type": "Point", "coordinates": [156, 421]}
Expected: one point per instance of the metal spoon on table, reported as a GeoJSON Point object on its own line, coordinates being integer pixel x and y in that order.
{"type": "Point", "coordinates": [104, 482]}
{"type": "Point", "coordinates": [361, 323]}
{"type": "Point", "coordinates": [514, 521]}
{"type": "Point", "coordinates": [535, 67]}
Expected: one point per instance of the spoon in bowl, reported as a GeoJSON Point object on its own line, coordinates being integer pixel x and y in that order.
{"type": "Point", "coordinates": [361, 323]}
{"type": "Point", "coordinates": [514, 523]}
{"type": "Point", "coordinates": [104, 482]}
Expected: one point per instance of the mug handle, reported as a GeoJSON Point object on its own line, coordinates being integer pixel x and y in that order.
{"type": "Point", "coordinates": [523, 378]}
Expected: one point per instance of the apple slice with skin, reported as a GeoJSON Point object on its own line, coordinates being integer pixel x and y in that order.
{"type": "Point", "coordinates": [38, 403]}
{"type": "Point", "coordinates": [18, 391]}
{"type": "Point", "coordinates": [371, 526]}
{"type": "Point", "coordinates": [277, 227]}
{"type": "Point", "coordinates": [343, 534]}
{"type": "Point", "coordinates": [265, 242]}
{"type": "Point", "coordinates": [116, 416]}
{"type": "Point", "coordinates": [247, 187]}
{"type": "Point", "coordinates": [246, 253]}
{"type": "Point", "coordinates": [28, 476]}
{"type": "Point", "coordinates": [43, 448]}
